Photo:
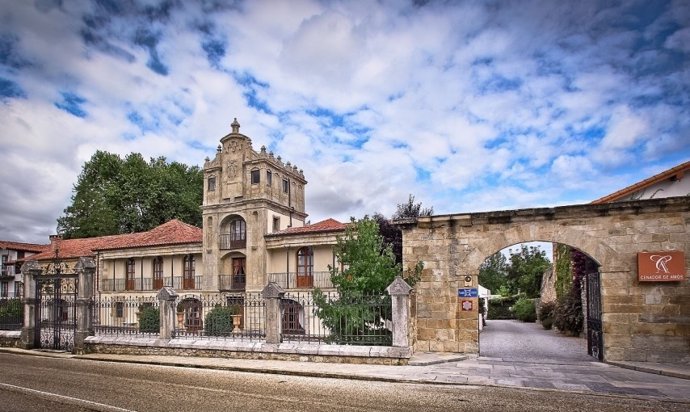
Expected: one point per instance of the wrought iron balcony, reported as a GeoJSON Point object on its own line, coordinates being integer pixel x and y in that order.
{"type": "Point", "coordinates": [228, 242]}
{"type": "Point", "coordinates": [293, 280]}
{"type": "Point", "coordinates": [232, 282]}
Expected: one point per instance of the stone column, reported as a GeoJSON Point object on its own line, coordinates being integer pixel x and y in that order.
{"type": "Point", "coordinates": [272, 294]}
{"type": "Point", "coordinates": [85, 268]}
{"type": "Point", "coordinates": [30, 270]}
{"type": "Point", "coordinates": [400, 298]}
{"type": "Point", "coordinates": [167, 298]}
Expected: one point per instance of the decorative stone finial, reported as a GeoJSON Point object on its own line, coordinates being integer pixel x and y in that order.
{"type": "Point", "coordinates": [263, 149]}
{"type": "Point", "coordinates": [219, 148]}
{"type": "Point", "coordinates": [288, 164]}
{"type": "Point", "coordinates": [235, 126]}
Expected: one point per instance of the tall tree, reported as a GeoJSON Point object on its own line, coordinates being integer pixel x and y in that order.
{"type": "Point", "coordinates": [115, 195]}
{"type": "Point", "coordinates": [367, 268]}
{"type": "Point", "coordinates": [527, 266]}
{"type": "Point", "coordinates": [412, 209]}
{"type": "Point", "coordinates": [493, 273]}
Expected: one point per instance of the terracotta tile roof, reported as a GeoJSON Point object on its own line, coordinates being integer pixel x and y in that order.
{"type": "Point", "coordinates": [675, 171]}
{"type": "Point", "coordinates": [28, 247]}
{"type": "Point", "coordinates": [328, 225]}
{"type": "Point", "coordinates": [173, 232]}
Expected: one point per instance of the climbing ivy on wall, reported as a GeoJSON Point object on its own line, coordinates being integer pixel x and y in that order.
{"type": "Point", "coordinates": [563, 273]}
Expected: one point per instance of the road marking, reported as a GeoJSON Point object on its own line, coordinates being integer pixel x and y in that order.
{"type": "Point", "coordinates": [69, 399]}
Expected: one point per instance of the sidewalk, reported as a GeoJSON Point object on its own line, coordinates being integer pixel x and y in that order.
{"type": "Point", "coordinates": [449, 369]}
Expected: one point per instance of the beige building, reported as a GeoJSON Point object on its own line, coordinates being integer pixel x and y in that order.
{"type": "Point", "coordinates": [254, 222]}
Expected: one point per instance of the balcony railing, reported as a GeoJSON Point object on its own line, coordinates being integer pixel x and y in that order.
{"type": "Point", "coordinates": [150, 284]}
{"type": "Point", "coordinates": [227, 242]}
{"type": "Point", "coordinates": [232, 282]}
{"type": "Point", "coordinates": [293, 280]}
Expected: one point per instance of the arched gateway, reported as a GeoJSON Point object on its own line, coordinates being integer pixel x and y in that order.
{"type": "Point", "coordinates": [641, 320]}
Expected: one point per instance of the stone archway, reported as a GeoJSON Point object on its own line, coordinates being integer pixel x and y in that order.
{"type": "Point", "coordinates": [641, 321]}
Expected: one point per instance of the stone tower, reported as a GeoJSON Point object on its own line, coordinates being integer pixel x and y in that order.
{"type": "Point", "coordinates": [247, 194]}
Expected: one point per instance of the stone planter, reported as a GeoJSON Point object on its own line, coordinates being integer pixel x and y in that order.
{"type": "Point", "coordinates": [236, 320]}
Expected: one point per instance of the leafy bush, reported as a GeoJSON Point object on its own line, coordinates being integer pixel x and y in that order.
{"type": "Point", "coordinates": [218, 321]}
{"type": "Point", "coordinates": [568, 317]}
{"type": "Point", "coordinates": [525, 310]}
{"type": "Point", "coordinates": [499, 308]}
{"type": "Point", "coordinates": [547, 314]}
{"type": "Point", "coordinates": [149, 319]}
{"type": "Point", "coordinates": [11, 314]}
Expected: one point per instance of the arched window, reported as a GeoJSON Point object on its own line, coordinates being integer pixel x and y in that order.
{"type": "Point", "coordinates": [305, 267]}
{"type": "Point", "coordinates": [233, 233]}
{"type": "Point", "coordinates": [188, 272]}
{"type": "Point", "coordinates": [129, 274]}
{"type": "Point", "coordinates": [157, 273]}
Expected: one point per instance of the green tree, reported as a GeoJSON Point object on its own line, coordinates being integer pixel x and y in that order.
{"type": "Point", "coordinates": [115, 195]}
{"type": "Point", "coordinates": [527, 266]}
{"type": "Point", "coordinates": [367, 268]}
{"type": "Point", "coordinates": [493, 273]}
{"type": "Point", "coordinates": [412, 209]}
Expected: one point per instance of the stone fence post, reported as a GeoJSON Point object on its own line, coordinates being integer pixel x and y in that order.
{"type": "Point", "coordinates": [167, 298]}
{"type": "Point", "coordinates": [272, 294]}
{"type": "Point", "coordinates": [30, 270]}
{"type": "Point", "coordinates": [85, 268]}
{"type": "Point", "coordinates": [399, 291]}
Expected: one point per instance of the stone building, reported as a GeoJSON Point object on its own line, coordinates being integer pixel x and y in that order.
{"type": "Point", "coordinates": [11, 255]}
{"type": "Point", "coordinates": [254, 221]}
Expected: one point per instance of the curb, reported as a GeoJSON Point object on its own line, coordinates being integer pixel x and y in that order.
{"type": "Point", "coordinates": [656, 371]}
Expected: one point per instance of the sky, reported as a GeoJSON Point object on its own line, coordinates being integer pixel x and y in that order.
{"type": "Point", "coordinates": [468, 105]}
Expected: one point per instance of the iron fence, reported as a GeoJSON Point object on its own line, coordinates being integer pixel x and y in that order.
{"type": "Point", "coordinates": [225, 316]}
{"type": "Point", "coordinates": [330, 318]}
{"type": "Point", "coordinates": [11, 314]}
{"type": "Point", "coordinates": [113, 315]}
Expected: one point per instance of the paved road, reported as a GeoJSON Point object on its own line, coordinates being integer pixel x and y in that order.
{"type": "Point", "coordinates": [513, 340]}
{"type": "Point", "coordinates": [31, 382]}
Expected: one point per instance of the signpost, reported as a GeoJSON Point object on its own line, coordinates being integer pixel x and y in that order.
{"type": "Point", "coordinates": [468, 293]}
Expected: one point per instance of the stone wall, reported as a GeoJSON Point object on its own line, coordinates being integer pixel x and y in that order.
{"type": "Point", "coordinates": [378, 355]}
{"type": "Point", "coordinates": [10, 339]}
{"type": "Point", "coordinates": [643, 321]}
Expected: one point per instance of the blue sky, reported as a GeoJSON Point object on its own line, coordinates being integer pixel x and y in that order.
{"type": "Point", "coordinates": [470, 106]}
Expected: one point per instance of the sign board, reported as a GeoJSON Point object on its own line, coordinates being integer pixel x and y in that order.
{"type": "Point", "coordinates": [468, 293]}
{"type": "Point", "coordinates": [466, 305]}
{"type": "Point", "coordinates": [665, 266]}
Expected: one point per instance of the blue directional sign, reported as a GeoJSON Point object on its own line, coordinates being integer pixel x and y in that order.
{"type": "Point", "coordinates": [468, 293]}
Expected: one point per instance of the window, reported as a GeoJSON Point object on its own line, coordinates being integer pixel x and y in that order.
{"type": "Point", "coordinates": [4, 265]}
{"type": "Point", "coordinates": [119, 309]}
{"type": "Point", "coordinates": [212, 184]}
{"type": "Point", "coordinates": [239, 277]}
{"type": "Point", "coordinates": [129, 274]}
{"type": "Point", "coordinates": [188, 272]}
{"type": "Point", "coordinates": [157, 273]}
{"type": "Point", "coordinates": [256, 176]}
{"type": "Point", "coordinates": [269, 178]}
{"type": "Point", "coordinates": [276, 223]}
{"type": "Point", "coordinates": [238, 229]}
{"type": "Point", "coordinates": [4, 289]}
{"type": "Point", "coordinates": [286, 186]}
{"type": "Point", "coordinates": [305, 267]}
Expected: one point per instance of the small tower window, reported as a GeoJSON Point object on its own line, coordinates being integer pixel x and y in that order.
{"type": "Point", "coordinates": [269, 178]}
{"type": "Point", "coordinates": [256, 176]}
{"type": "Point", "coordinates": [212, 184]}
{"type": "Point", "coordinates": [286, 186]}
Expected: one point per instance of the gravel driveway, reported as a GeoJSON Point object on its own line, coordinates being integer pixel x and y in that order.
{"type": "Point", "coordinates": [513, 340]}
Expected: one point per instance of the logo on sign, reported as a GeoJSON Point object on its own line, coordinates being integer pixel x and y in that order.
{"type": "Point", "coordinates": [660, 262]}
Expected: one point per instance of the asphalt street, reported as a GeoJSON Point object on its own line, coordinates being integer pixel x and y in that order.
{"type": "Point", "coordinates": [45, 383]}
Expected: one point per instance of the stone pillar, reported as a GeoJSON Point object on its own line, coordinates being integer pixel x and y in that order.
{"type": "Point", "coordinates": [30, 270]}
{"type": "Point", "coordinates": [167, 298]}
{"type": "Point", "coordinates": [85, 268]}
{"type": "Point", "coordinates": [400, 298]}
{"type": "Point", "coordinates": [272, 294]}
